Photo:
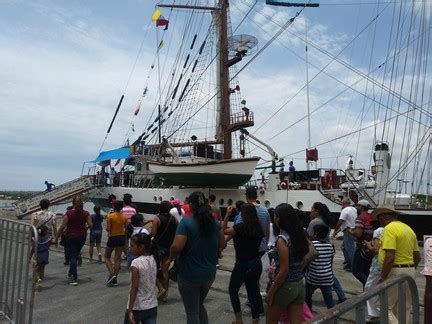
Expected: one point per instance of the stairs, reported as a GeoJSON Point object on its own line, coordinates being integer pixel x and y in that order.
{"type": "Point", "coordinates": [59, 194]}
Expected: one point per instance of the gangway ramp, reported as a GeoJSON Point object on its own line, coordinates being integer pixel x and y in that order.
{"type": "Point", "coordinates": [59, 194]}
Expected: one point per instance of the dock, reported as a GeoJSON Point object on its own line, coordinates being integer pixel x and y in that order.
{"type": "Point", "coordinates": [93, 302]}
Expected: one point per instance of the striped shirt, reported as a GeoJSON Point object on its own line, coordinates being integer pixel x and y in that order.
{"type": "Point", "coordinates": [128, 211]}
{"type": "Point", "coordinates": [320, 272]}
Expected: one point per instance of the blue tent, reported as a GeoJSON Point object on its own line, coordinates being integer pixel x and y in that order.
{"type": "Point", "coordinates": [120, 153]}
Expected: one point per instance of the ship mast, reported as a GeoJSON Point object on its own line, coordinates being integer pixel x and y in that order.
{"type": "Point", "coordinates": [226, 123]}
{"type": "Point", "coordinates": [220, 15]}
{"type": "Point", "coordinates": [223, 79]}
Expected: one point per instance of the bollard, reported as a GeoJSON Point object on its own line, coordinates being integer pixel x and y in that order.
{"type": "Point", "coordinates": [427, 272]}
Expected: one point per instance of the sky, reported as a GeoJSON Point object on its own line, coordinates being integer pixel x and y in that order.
{"type": "Point", "coordinates": [65, 64]}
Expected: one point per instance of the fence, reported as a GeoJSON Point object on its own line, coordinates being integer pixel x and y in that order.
{"type": "Point", "coordinates": [359, 303]}
{"type": "Point", "coordinates": [17, 277]}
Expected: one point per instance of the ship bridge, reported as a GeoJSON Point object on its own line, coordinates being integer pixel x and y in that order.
{"type": "Point", "coordinates": [58, 195]}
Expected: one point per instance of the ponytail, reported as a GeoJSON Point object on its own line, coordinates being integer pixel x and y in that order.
{"type": "Point", "coordinates": [201, 212]}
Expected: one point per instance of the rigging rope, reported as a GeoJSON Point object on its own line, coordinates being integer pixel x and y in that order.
{"type": "Point", "coordinates": [349, 133]}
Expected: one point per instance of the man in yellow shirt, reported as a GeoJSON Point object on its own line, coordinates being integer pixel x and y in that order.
{"type": "Point", "coordinates": [398, 254]}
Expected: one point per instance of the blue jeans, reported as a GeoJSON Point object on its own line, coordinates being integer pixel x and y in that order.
{"type": "Point", "coordinates": [193, 295]}
{"type": "Point", "coordinates": [348, 247]}
{"type": "Point", "coordinates": [247, 272]}
{"type": "Point", "coordinates": [148, 316]}
{"type": "Point", "coordinates": [360, 267]}
{"type": "Point", "coordinates": [338, 289]}
{"type": "Point", "coordinates": [73, 248]}
{"type": "Point", "coordinates": [326, 292]}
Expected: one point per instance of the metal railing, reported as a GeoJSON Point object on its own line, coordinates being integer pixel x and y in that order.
{"type": "Point", "coordinates": [17, 276]}
{"type": "Point", "coordinates": [359, 303]}
{"type": "Point", "coordinates": [60, 193]}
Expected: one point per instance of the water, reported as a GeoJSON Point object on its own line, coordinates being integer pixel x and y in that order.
{"type": "Point", "coordinates": [6, 203]}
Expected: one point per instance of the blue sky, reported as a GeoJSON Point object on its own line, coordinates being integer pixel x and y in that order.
{"type": "Point", "coordinates": [65, 64]}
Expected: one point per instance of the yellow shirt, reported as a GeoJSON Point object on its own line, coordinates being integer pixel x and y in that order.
{"type": "Point", "coordinates": [118, 221]}
{"type": "Point", "coordinates": [401, 238]}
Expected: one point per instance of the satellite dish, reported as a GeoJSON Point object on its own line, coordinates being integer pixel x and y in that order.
{"type": "Point", "coordinates": [241, 45]}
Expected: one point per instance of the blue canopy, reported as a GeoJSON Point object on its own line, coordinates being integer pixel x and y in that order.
{"type": "Point", "coordinates": [120, 153]}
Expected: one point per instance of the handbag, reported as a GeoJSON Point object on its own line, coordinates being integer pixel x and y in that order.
{"type": "Point", "coordinates": [63, 238]}
{"type": "Point", "coordinates": [173, 272]}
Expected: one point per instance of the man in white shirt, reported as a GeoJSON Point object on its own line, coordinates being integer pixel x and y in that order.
{"type": "Point", "coordinates": [345, 223]}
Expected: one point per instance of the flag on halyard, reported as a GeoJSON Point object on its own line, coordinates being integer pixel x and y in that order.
{"type": "Point", "coordinates": [137, 109]}
{"type": "Point", "coordinates": [162, 21]}
{"type": "Point", "coordinates": [160, 45]}
{"type": "Point", "coordinates": [156, 15]}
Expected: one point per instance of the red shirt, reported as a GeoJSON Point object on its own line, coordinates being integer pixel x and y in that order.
{"type": "Point", "coordinates": [187, 210]}
{"type": "Point", "coordinates": [76, 226]}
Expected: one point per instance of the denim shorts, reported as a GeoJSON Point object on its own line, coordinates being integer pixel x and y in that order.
{"type": "Point", "coordinates": [148, 316]}
{"type": "Point", "coordinates": [163, 252]}
{"type": "Point", "coordinates": [116, 241]}
{"type": "Point", "coordinates": [95, 237]}
{"type": "Point", "coordinates": [291, 292]}
{"type": "Point", "coordinates": [42, 257]}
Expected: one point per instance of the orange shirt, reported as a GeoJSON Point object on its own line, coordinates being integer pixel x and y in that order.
{"type": "Point", "coordinates": [118, 222]}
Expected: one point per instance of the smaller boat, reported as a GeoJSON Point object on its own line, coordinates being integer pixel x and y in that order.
{"type": "Point", "coordinates": [215, 173]}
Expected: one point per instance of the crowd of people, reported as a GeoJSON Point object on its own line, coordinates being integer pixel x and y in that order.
{"type": "Point", "coordinates": [185, 241]}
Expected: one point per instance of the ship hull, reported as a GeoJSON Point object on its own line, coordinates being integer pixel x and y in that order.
{"type": "Point", "coordinates": [147, 201]}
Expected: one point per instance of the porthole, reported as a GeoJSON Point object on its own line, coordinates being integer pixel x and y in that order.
{"type": "Point", "coordinates": [267, 204]}
{"type": "Point", "coordinates": [258, 202]}
{"type": "Point", "coordinates": [154, 198]}
{"type": "Point", "coordinates": [221, 202]}
{"type": "Point", "coordinates": [160, 198]}
{"type": "Point", "coordinates": [299, 205]}
{"type": "Point", "coordinates": [230, 202]}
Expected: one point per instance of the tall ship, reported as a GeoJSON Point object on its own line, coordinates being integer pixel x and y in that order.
{"type": "Point", "coordinates": [203, 135]}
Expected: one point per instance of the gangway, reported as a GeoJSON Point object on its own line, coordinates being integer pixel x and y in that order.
{"type": "Point", "coordinates": [59, 194]}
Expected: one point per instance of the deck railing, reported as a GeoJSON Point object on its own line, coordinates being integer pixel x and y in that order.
{"type": "Point", "coordinates": [359, 303]}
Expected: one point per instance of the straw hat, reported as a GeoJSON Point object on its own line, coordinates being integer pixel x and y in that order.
{"type": "Point", "coordinates": [384, 209]}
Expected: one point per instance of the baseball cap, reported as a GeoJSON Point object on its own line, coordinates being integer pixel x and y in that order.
{"type": "Point", "coordinates": [363, 202]}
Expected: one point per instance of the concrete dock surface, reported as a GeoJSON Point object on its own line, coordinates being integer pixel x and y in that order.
{"type": "Point", "coordinates": [93, 302]}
